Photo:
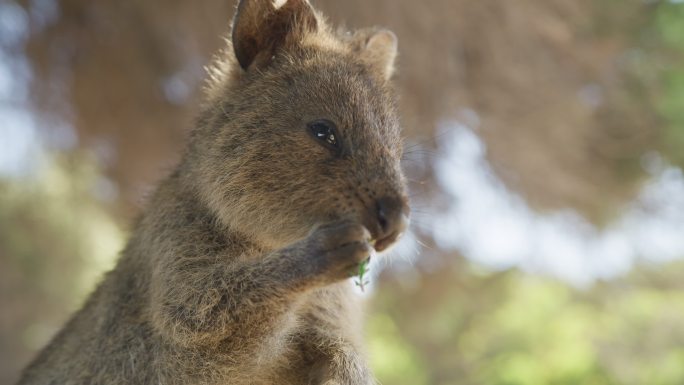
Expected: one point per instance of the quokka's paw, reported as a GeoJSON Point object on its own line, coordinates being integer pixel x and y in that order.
{"type": "Point", "coordinates": [337, 249]}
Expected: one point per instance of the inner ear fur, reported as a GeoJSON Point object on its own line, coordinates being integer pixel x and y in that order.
{"type": "Point", "coordinates": [260, 29]}
{"type": "Point", "coordinates": [378, 47]}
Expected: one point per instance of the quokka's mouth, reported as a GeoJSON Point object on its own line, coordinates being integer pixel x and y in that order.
{"type": "Point", "coordinates": [384, 243]}
{"type": "Point", "coordinates": [388, 233]}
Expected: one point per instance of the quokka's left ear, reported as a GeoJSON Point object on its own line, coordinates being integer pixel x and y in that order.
{"type": "Point", "coordinates": [260, 28]}
{"type": "Point", "coordinates": [380, 51]}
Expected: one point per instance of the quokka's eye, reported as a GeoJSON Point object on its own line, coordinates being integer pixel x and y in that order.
{"type": "Point", "coordinates": [326, 133]}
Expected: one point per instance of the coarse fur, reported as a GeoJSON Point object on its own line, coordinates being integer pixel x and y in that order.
{"type": "Point", "coordinates": [237, 271]}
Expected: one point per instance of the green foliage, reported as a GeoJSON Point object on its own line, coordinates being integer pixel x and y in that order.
{"type": "Point", "coordinates": [361, 281]}
{"type": "Point", "coordinates": [516, 329]}
{"type": "Point", "coordinates": [669, 21]}
{"type": "Point", "coordinates": [56, 239]}
{"type": "Point", "coordinates": [394, 360]}
{"type": "Point", "coordinates": [669, 57]}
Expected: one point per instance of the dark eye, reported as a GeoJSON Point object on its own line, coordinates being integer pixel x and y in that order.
{"type": "Point", "coordinates": [326, 133]}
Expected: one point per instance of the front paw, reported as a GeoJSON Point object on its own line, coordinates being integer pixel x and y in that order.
{"type": "Point", "coordinates": [337, 249]}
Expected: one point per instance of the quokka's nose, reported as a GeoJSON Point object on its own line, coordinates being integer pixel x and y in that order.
{"type": "Point", "coordinates": [392, 216]}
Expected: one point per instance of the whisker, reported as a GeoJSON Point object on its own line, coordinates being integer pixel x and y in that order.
{"type": "Point", "coordinates": [423, 244]}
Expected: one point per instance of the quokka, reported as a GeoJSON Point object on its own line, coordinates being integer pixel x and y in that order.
{"type": "Point", "coordinates": [238, 270]}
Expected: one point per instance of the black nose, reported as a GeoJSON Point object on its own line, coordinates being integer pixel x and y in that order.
{"type": "Point", "coordinates": [392, 216]}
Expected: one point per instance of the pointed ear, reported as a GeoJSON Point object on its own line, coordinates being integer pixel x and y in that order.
{"type": "Point", "coordinates": [260, 28]}
{"type": "Point", "coordinates": [380, 51]}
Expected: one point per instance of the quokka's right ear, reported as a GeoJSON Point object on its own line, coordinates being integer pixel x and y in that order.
{"type": "Point", "coordinates": [260, 28]}
{"type": "Point", "coordinates": [380, 50]}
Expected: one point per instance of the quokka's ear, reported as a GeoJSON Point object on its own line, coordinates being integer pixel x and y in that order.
{"type": "Point", "coordinates": [261, 27]}
{"type": "Point", "coordinates": [380, 50]}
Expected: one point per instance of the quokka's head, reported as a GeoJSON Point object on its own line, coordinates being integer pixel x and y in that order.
{"type": "Point", "coordinates": [300, 128]}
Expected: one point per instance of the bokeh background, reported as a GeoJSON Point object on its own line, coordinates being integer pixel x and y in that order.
{"type": "Point", "coordinates": [544, 147]}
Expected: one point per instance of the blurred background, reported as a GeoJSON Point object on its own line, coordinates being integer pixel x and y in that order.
{"type": "Point", "coordinates": [544, 148]}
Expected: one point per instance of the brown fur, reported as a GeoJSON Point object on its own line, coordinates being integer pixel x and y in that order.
{"type": "Point", "coordinates": [237, 272]}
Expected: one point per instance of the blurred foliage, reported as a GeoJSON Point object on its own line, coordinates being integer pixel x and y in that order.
{"type": "Point", "coordinates": [669, 26]}
{"type": "Point", "coordinates": [56, 238]}
{"type": "Point", "coordinates": [663, 62]}
{"type": "Point", "coordinates": [462, 326]}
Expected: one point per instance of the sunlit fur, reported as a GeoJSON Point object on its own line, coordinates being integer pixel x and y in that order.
{"type": "Point", "coordinates": [236, 273]}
